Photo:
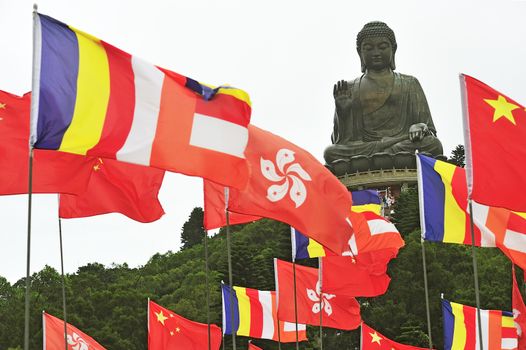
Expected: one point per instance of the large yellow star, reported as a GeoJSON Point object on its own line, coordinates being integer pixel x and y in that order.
{"type": "Point", "coordinates": [2, 105]}
{"type": "Point", "coordinates": [160, 317]}
{"type": "Point", "coordinates": [502, 109]}
{"type": "Point", "coordinates": [375, 338]}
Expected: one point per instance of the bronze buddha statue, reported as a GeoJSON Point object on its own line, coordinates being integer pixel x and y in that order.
{"type": "Point", "coordinates": [382, 110]}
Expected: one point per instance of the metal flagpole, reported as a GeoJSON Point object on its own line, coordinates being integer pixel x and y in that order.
{"type": "Point", "coordinates": [475, 272]}
{"type": "Point", "coordinates": [207, 290]}
{"type": "Point", "coordinates": [229, 257]}
{"type": "Point", "coordinates": [321, 303]}
{"type": "Point", "coordinates": [279, 335]}
{"type": "Point", "coordinates": [427, 294]}
{"type": "Point", "coordinates": [295, 305]}
{"type": "Point", "coordinates": [63, 283]}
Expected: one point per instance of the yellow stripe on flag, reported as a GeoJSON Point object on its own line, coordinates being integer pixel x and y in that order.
{"type": "Point", "coordinates": [243, 303]}
{"type": "Point", "coordinates": [507, 322]}
{"type": "Point", "coordinates": [375, 208]}
{"type": "Point", "coordinates": [93, 93]}
{"type": "Point", "coordinates": [459, 330]}
{"type": "Point", "coordinates": [237, 93]}
{"type": "Point", "coordinates": [315, 249]}
{"type": "Point", "coordinates": [454, 216]}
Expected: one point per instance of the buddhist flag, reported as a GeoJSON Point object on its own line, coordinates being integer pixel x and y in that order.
{"type": "Point", "coordinates": [94, 99]}
{"type": "Point", "coordinates": [340, 312]}
{"type": "Point", "coordinates": [304, 247]}
{"type": "Point", "coordinates": [519, 312]}
{"type": "Point", "coordinates": [117, 187]}
{"type": "Point", "coordinates": [215, 208]}
{"type": "Point", "coordinates": [461, 328]}
{"type": "Point", "coordinates": [288, 184]}
{"type": "Point", "coordinates": [53, 172]}
{"type": "Point", "coordinates": [169, 331]}
{"type": "Point", "coordinates": [53, 331]}
{"type": "Point", "coordinates": [373, 340]}
{"type": "Point", "coordinates": [444, 213]}
{"type": "Point", "coordinates": [495, 130]}
{"type": "Point", "coordinates": [255, 316]}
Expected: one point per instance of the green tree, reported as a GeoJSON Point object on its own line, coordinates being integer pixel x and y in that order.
{"type": "Point", "coordinates": [193, 231]}
{"type": "Point", "coordinates": [458, 156]}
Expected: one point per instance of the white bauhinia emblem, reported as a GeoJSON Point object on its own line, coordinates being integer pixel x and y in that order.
{"type": "Point", "coordinates": [315, 296]}
{"type": "Point", "coordinates": [76, 342]}
{"type": "Point", "coordinates": [293, 172]}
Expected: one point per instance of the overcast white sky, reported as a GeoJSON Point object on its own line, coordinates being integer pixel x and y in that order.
{"type": "Point", "coordinates": [286, 54]}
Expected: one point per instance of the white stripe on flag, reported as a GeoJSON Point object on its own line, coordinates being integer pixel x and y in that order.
{"type": "Point", "coordinates": [291, 327]}
{"type": "Point", "coordinates": [515, 241]}
{"type": "Point", "coordinates": [509, 343]}
{"type": "Point", "coordinates": [379, 226]}
{"type": "Point", "coordinates": [265, 298]}
{"type": "Point", "coordinates": [219, 135]}
{"type": "Point", "coordinates": [148, 88]}
{"type": "Point", "coordinates": [480, 216]}
{"type": "Point", "coordinates": [484, 318]}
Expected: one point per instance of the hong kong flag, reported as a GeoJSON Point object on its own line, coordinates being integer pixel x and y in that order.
{"type": "Point", "coordinates": [288, 184]}
{"type": "Point", "coordinates": [341, 312]}
{"type": "Point", "coordinates": [169, 331]}
{"type": "Point", "coordinates": [495, 132]}
{"type": "Point", "coordinates": [54, 336]}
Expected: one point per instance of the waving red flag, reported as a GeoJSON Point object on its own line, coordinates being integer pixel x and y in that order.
{"type": "Point", "coordinates": [362, 276]}
{"type": "Point", "coordinates": [53, 172]}
{"type": "Point", "coordinates": [252, 346]}
{"type": "Point", "coordinates": [169, 331]}
{"type": "Point", "coordinates": [215, 206]}
{"type": "Point", "coordinates": [54, 336]}
{"type": "Point", "coordinates": [495, 154]}
{"type": "Point", "coordinates": [372, 340]}
{"type": "Point", "coordinates": [117, 187]}
{"type": "Point", "coordinates": [341, 312]}
{"type": "Point", "coordinates": [288, 184]}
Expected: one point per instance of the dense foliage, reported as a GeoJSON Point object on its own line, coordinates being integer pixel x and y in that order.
{"type": "Point", "coordinates": [109, 303]}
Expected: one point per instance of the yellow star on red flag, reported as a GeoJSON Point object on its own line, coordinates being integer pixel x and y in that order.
{"type": "Point", "coordinates": [375, 338]}
{"type": "Point", "coordinates": [2, 105]}
{"type": "Point", "coordinates": [503, 109]}
{"type": "Point", "coordinates": [160, 317]}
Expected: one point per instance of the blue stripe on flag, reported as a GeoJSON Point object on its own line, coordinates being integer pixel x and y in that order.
{"type": "Point", "coordinates": [227, 324]}
{"type": "Point", "coordinates": [58, 82]}
{"type": "Point", "coordinates": [302, 243]}
{"type": "Point", "coordinates": [365, 197]}
{"type": "Point", "coordinates": [434, 200]}
{"type": "Point", "coordinates": [449, 324]}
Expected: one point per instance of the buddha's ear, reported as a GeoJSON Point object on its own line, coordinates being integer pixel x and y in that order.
{"type": "Point", "coordinates": [393, 65]}
{"type": "Point", "coordinates": [363, 64]}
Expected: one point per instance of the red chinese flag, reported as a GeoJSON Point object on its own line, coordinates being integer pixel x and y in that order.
{"type": "Point", "coordinates": [495, 133]}
{"type": "Point", "coordinates": [54, 336]}
{"type": "Point", "coordinates": [253, 347]}
{"type": "Point", "coordinates": [215, 206]}
{"type": "Point", "coordinates": [519, 313]}
{"type": "Point", "coordinates": [372, 340]}
{"type": "Point", "coordinates": [169, 331]}
{"type": "Point", "coordinates": [117, 187]}
{"type": "Point", "coordinates": [288, 184]}
{"type": "Point", "coordinates": [362, 276]}
{"type": "Point", "coordinates": [53, 172]}
{"type": "Point", "coordinates": [341, 312]}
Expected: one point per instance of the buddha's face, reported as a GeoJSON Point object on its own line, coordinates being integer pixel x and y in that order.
{"type": "Point", "coordinates": [376, 53]}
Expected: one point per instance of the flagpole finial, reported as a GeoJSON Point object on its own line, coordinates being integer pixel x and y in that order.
{"type": "Point", "coordinates": [35, 8]}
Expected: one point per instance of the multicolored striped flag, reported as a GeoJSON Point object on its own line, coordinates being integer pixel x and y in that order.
{"type": "Point", "coordinates": [92, 98]}
{"type": "Point", "coordinates": [255, 315]}
{"type": "Point", "coordinates": [461, 328]}
{"type": "Point", "coordinates": [304, 247]}
{"type": "Point", "coordinates": [444, 213]}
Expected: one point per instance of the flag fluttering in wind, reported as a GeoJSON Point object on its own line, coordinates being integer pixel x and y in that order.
{"type": "Point", "coordinates": [461, 329]}
{"type": "Point", "coordinates": [255, 316]}
{"type": "Point", "coordinates": [288, 184]}
{"type": "Point", "coordinates": [445, 218]}
{"type": "Point", "coordinates": [215, 207]}
{"type": "Point", "coordinates": [341, 312]}
{"type": "Point", "coordinates": [495, 130]}
{"type": "Point", "coordinates": [53, 172]}
{"type": "Point", "coordinates": [169, 331]}
{"type": "Point", "coordinates": [95, 99]}
{"type": "Point", "coordinates": [304, 247]}
{"type": "Point", "coordinates": [117, 187]}
{"type": "Point", "coordinates": [252, 346]}
{"type": "Point", "coordinates": [373, 340]}
{"type": "Point", "coordinates": [519, 312]}
{"type": "Point", "coordinates": [76, 339]}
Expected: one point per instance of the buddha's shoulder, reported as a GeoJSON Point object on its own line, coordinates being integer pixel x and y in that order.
{"type": "Point", "coordinates": [408, 79]}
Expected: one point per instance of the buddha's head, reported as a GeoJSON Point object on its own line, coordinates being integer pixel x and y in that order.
{"type": "Point", "coordinates": [376, 45]}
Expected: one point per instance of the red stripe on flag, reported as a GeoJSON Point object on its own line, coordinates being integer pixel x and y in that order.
{"type": "Point", "coordinates": [509, 332]}
{"type": "Point", "coordinates": [495, 329]}
{"type": "Point", "coordinates": [121, 104]}
{"type": "Point", "coordinates": [470, 322]}
{"type": "Point", "coordinates": [226, 107]}
{"type": "Point", "coordinates": [256, 313]}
